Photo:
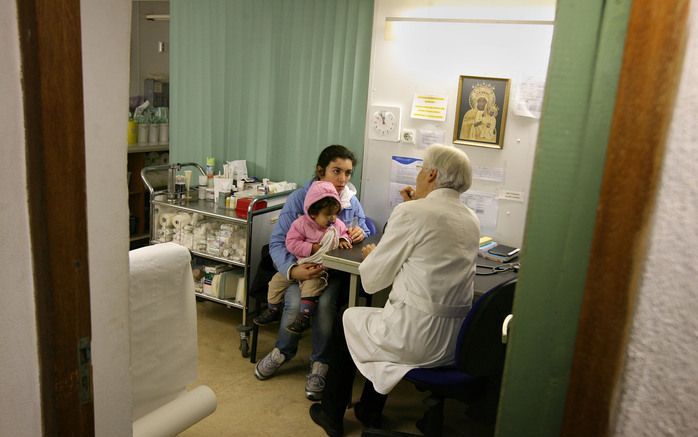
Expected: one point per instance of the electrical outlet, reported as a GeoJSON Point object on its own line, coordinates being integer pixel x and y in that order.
{"type": "Point", "coordinates": [408, 136]}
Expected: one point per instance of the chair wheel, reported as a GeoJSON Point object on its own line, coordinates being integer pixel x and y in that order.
{"type": "Point", "coordinates": [244, 348]}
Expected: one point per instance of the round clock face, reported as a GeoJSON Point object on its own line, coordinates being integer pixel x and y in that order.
{"type": "Point", "coordinates": [383, 122]}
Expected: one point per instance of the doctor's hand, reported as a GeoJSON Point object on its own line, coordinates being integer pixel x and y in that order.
{"type": "Point", "coordinates": [408, 193]}
{"type": "Point", "coordinates": [304, 272]}
{"type": "Point", "coordinates": [367, 249]}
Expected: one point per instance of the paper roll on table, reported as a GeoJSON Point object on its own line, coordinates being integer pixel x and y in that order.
{"type": "Point", "coordinates": [177, 415]}
{"type": "Point", "coordinates": [181, 220]}
{"type": "Point", "coordinates": [163, 325]}
{"type": "Point", "coordinates": [166, 219]}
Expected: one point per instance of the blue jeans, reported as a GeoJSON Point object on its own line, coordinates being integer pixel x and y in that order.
{"type": "Point", "coordinates": [323, 320]}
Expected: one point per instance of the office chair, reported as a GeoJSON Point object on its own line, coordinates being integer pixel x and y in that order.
{"type": "Point", "coordinates": [371, 225]}
{"type": "Point", "coordinates": [476, 376]}
{"type": "Point", "coordinates": [258, 291]}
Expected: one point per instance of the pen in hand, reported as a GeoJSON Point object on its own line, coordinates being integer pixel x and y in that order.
{"type": "Point", "coordinates": [407, 193]}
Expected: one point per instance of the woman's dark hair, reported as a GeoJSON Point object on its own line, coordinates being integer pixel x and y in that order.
{"type": "Point", "coordinates": [318, 206]}
{"type": "Point", "coordinates": [330, 153]}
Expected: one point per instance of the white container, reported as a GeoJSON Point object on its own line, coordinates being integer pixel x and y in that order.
{"type": "Point", "coordinates": [153, 133]}
{"type": "Point", "coordinates": [142, 134]}
{"type": "Point", "coordinates": [164, 133]}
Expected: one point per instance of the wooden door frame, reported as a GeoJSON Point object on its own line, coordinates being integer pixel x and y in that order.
{"type": "Point", "coordinates": [653, 53]}
{"type": "Point", "coordinates": [51, 59]}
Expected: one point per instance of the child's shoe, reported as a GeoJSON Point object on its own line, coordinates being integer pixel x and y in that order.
{"type": "Point", "coordinates": [268, 316]}
{"type": "Point", "coordinates": [299, 325]}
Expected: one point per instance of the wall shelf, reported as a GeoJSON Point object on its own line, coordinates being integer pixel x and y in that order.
{"type": "Point", "coordinates": [135, 148]}
{"type": "Point", "coordinates": [138, 201]}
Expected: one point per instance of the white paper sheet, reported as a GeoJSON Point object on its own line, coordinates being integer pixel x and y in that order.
{"type": "Point", "coordinates": [528, 101]}
{"type": "Point", "coordinates": [177, 415]}
{"type": "Point", "coordinates": [429, 107]}
{"type": "Point", "coordinates": [403, 172]}
{"type": "Point", "coordinates": [493, 174]}
{"type": "Point", "coordinates": [163, 325]}
{"type": "Point", "coordinates": [394, 196]}
{"type": "Point", "coordinates": [429, 137]}
{"type": "Point", "coordinates": [485, 206]}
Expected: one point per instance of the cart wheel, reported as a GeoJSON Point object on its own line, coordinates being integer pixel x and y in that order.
{"type": "Point", "coordinates": [244, 348]}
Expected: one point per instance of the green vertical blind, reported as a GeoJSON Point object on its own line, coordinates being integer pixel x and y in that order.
{"type": "Point", "coordinates": [269, 81]}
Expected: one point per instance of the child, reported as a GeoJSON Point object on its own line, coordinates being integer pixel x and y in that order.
{"type": "Point", "coordinates": [310, 236]}
{"type": "Point", "coordinates": [488, 129]}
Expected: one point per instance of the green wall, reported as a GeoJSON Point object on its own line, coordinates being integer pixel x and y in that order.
{"type": "Point", "coordinates": [580, 96]}
{"type": "Point", "coordinates": [272, 82]}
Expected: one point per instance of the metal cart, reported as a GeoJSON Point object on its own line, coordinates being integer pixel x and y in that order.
{"type": "Point", "coordinates": [257, 225]}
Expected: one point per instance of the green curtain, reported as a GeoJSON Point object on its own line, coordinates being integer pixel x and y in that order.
{"type": "Point", "coordinates": [269, 81]}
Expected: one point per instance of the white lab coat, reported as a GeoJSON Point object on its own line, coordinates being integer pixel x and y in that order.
{"type": "Point", "coordinates": [428, 254]}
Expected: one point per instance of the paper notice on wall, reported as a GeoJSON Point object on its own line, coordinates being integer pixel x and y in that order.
{"type": "Point", "coordinates": [514, 196]}
{"type": "Point", "coordinates": [394, 197]}
{"type": "Point", "coordinates": [429, 107]}
{"type": "Point", "coordinates": [493, 174]}
{"type": "Point", "coordinates": [486, 207]}
{"type": "Point", "coordinates": [429, 137]}
{"type": "Point", "coordinates": [403, 172]}
{"type": "Point", "coordinates": [528, 100]}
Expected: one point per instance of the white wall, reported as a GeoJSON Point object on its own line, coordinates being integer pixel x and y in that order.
{"type": "Point", "coordinates": [430, 57]}
{"type": "Point", "coordinates": [20, 403]}
{"type": "Point", "coordinates": [659, 395]}
{"type": "Point", "coordinates": [105, 52]}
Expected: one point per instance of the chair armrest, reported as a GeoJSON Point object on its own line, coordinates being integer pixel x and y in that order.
{"type": "Point", "coordinates": [505, 328]}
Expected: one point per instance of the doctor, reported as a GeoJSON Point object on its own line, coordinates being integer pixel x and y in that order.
{"type": "Point", "coordinates": [428, 254]}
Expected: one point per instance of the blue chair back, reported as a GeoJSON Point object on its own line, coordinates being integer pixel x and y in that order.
{"type": "Point", "coordinates": [480, 351]}
{"type": "Point", "coordinates": [371, 225]}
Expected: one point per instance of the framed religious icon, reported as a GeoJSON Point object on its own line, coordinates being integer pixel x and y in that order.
{"type": "Point", "coordinates": [481, 111]}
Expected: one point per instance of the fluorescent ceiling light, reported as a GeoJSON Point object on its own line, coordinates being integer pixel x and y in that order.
{"type": "Point", "coordinates": [467, 20]}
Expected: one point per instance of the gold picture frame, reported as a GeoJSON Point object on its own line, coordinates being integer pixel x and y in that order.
{"type": "Point", "coordinates": [481, 111]}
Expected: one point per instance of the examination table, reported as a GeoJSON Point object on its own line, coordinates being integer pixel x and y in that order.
{"type": "Point", "coordinates": [163, 343]}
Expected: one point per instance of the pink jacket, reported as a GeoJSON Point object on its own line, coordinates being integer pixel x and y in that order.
{"type": "Point", "coordinates": [304, 232]}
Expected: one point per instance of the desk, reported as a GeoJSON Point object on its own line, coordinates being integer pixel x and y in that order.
{"type": "Point", "coordinates": [348, 261]}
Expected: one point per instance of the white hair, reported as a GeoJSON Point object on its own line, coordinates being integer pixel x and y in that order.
{"type": "Point", "coordinates": [452, 166]}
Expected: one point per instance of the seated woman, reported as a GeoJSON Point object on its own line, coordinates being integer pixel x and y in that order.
{"type": "Point", "coordinates": [335, 165]}
{"type": "Point", "coordinates": [428, 254]}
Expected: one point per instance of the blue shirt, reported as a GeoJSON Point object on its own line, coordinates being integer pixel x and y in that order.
{"type": "Point", "coordinates": [283, 259]}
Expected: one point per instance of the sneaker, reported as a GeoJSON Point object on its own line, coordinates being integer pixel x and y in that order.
{"type": "Point", "coordinates": [299, 325]}
{"type": "Point", "coordinates": [268, 316]}
{"type": "Point", "coordinates": [269, 364]}
{"type": "Point", "coordinates": [315, 384]}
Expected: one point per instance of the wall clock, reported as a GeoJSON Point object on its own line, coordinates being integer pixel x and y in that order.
{"type": "Point", "coordinates": [384, 123]}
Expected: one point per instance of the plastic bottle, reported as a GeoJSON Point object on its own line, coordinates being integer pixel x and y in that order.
{"type": "Point", "coordinates": [210, 164]}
